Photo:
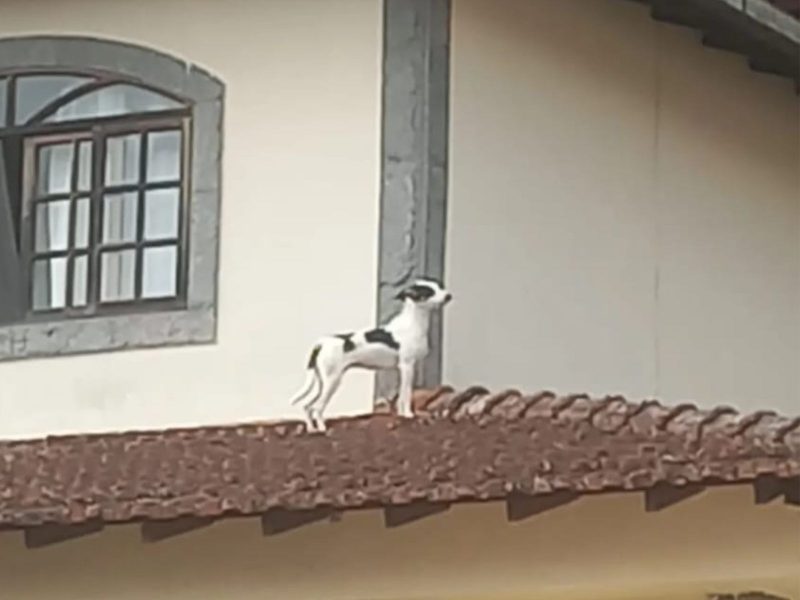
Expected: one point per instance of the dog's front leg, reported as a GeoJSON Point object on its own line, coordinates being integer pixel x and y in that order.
{"type": "Point", "coordinates": [406, 369]}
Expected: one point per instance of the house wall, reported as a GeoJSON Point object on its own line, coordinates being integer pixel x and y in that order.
{"type": "Point", "coordinates": [599, 548]}
{"type": "Point", "coordinates": [299, 213]}
{"type": "Point", "coordinates": [641, 191]}
{"type": "Point", "coordinates": [624, 209]}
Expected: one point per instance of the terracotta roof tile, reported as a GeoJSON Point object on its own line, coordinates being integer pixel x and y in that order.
{"type": "Point", "coordinates": [467, 445]}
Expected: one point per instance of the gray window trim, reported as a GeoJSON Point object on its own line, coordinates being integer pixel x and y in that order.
{"type": "Point", "coordinates": [197, 323]}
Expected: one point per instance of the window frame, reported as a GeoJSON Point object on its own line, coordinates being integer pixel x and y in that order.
{"type": "Point", "coordinates": [192, 318]}
{"type": "Point", "coordinates": [143, 124]}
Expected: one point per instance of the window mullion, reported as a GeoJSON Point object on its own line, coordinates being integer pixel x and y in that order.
{"type": "Point", "coordinates": [96, 217]}
{"type": "Point", "coordinates": [140, 208]}
{"type": "Point", "coordinates": [69, 292]}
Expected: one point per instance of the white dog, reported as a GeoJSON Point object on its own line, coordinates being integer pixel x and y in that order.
{"type": "Point", "coordinates": [399, 344]}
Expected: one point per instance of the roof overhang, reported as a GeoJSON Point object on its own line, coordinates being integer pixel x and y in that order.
{"type": "Point", "coordinates": [765, 32]}
{"type": "Point", "coordinates": [533, 452]}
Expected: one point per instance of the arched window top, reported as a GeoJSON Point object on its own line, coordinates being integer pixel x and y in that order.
{"type": "Point", "coordinates": [30, 98]}
{"type": "Point", "coordinates": [110, 101]}
{"type": "Point", "coordinates": [35, 92]}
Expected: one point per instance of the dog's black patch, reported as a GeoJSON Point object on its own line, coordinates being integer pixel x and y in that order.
{"type": "Point", "coordinates": [381, 336]}
{"type": "Point", "coordinates": [312, 360]}
{"type": "Point", "coordinates": [417, 293]}
{"type": "Point", "coordinates": [347, 338]}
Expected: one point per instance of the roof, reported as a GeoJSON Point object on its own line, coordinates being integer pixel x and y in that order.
{"type": "Point", "coordinates": [463, 446]}
{"type": "Point", "coordinates": [765, 32]}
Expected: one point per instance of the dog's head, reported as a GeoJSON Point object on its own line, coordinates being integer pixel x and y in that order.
{"type": "Point", "coordinates": [425, 293]}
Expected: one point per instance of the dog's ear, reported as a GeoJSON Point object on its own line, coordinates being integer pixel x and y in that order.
{"type": "Point", "coordinates": [409, 293]}
{"type": "Point", "coordinates": [416, 293]}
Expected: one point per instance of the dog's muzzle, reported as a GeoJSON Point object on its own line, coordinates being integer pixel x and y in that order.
{"type": "Point", "coordinates": [448, 298]}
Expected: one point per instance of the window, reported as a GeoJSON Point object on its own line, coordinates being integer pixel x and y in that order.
{"type": "Point", "coordinates": [102, 171]}
{"type": "Point", "coordinates": [102, 191]}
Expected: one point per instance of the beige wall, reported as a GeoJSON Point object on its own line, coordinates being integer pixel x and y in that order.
{"type": "Point", "coordinates": [299, 212]}
{"type": "Point", "coordinates": [624, 209]}
{"type": "Point", "coordinates": [642, 192]}
{"type": "Point", "coordinates": [600, 548]}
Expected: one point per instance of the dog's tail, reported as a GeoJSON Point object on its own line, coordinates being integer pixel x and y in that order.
{"type": "Point", "coordinates": [311, 378]}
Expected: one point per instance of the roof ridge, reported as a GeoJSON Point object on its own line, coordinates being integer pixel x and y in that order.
{"type": "Point", "coordinates": [478, 402]}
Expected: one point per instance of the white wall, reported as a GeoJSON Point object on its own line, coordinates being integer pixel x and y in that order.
{"type": "Point", "coordinates": [299, 212]}
{"type": "Point", "coordinates": [598, 548]}
{"type": "Point", "coordinates": [593, 152]}
{"type": "Point", "coordinates": [624, 209]}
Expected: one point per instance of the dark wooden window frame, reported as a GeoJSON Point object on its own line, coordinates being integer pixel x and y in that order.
{"type": "Point", "coordinates": [35, 133]}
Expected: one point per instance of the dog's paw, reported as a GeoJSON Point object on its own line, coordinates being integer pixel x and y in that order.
{"type": "Point", "coordinates": [315, 430]}
{"type": "Point", "coordinates": [316, 424]}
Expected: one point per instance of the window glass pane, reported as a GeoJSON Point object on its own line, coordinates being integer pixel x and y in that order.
{"type": "Point", "coordinates": [159, 272]}
{"type": "Point", "coordinates": [82, 209]}
{"type": "Point", "coordinates": [113, 100]}
{"type": "Point", "coordinates": [161, 214]}
{"type": "Point", "coordinates": [117, 270]}
{"type": "Point", "coordinates": [55, 169]}
{"type": "Point", "coordinates": [122, 159]}
{"type": "Point", "coordinates": [85, 166]}
{"type": "Point", "coordinates": [164, 156]}
{"type": "Point", "coordinates": [50, 283]}
{"type": "Point", "coordinates": [119, 217]}
{"type": "Point", "coordinates": [80, 280]}
{"type": "Point", "coordinates": [3, 94]}
{"type": "Point", "coordinates": [34, 92]}
{"type": "Point", "coordinates": [52, 226]}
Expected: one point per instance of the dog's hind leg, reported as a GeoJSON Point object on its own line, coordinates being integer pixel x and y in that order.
{"type": "Point", "coordinates": [308, 391]}
{"type": "Point", "coordinates": [315, 390]}
{"type": "Point", "coordinates": [329, 383]}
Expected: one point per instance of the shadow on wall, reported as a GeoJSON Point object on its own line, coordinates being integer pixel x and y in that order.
{"type": "Point", "coordinates": [599, 548]}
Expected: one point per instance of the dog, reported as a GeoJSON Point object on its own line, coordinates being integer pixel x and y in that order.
{"type": "Point", "coordinates": [400, 344]}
